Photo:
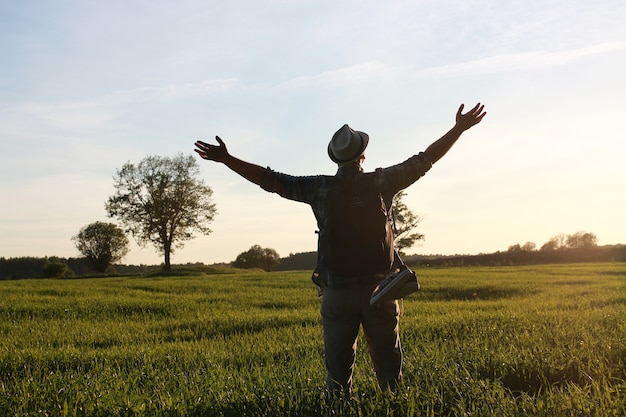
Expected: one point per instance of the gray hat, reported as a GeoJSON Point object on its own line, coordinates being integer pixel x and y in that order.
{"type": "Point", "coordinates": [347, 145]}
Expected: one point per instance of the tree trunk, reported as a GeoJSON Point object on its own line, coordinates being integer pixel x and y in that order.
{"type": "Point", "coordinates": [166, 250]}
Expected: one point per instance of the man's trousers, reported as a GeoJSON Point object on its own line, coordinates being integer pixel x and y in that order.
{"type": "Point", "coordinates": [343, 312]}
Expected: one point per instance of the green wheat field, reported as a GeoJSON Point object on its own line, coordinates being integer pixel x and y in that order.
{"type": "Point", "coordinates": [499, 341]}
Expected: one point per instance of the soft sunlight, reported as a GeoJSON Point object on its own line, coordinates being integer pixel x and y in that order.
{"type": "Point", "coordinates": [87, 88]}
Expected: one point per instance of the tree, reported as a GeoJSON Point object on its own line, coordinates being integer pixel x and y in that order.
{"type": "Point", "coordinates": [257, 257]}
{"type": "Point", "coordinates": [161, 201]}
{"type": "Point", "coordinates": [555, 242]}
{"type": "Point", "coordinates": [54, 268]}
{"type": "Point", "coordinates": [526, 247]}
{"type": "Point", "coordinates": [404, 222]}
{"type": "Point", "coordinates": [102, 244]}
{"type": "Point", "coordinates": [581, 240]}
{"type": "Point", "coordinates": [514, 248]}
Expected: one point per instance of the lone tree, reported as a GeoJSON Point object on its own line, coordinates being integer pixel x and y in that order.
{"type": "Point", "coordinates": [161, 201]}
{"type": "Point", "coordinates": [257, 257]}
{"type": "Point", "coordinates": [404, 222]}
{"type": "Point", "coordinates": [102, 244]}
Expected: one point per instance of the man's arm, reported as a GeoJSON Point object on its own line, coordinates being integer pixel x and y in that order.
{"type": "Point", "coordinates": [219, 153]}
{"type": "Point", "coordinates": [463, 122]}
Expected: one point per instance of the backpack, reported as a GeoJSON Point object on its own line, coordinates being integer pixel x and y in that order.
{"type": "Point", "coordinates": [356, 238]}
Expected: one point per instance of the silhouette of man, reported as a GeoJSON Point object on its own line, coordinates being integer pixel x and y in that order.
{"type": "Point", "coordinates": [345, 305]}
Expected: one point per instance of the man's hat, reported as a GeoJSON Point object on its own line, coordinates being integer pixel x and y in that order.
{"type": "Point", "coordinates": [347, 145]}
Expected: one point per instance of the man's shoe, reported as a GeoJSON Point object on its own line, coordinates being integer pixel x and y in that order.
{"type": "Point", "coordinates": [397, 284]}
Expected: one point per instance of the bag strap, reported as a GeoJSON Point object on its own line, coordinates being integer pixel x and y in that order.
{"type": "Point", "coordinates": [397, 261]}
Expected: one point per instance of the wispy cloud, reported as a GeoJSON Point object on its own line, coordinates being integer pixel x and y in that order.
{"type": "Point", "coordinates": [354, 74]}
{"type": "Point", "coordinates": [525, 61]}
{"type": "Point", "coordinates": [173, 91]}
{"type": "Point", "coordinates": [376, 70]}
{"type": "Point", "coordinates": [32, 119]}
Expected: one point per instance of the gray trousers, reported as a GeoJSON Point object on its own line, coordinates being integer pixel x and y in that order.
{"type": "Point", "coordinates": [343, 312]}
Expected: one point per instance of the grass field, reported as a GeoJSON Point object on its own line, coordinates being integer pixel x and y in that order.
{"type": "Point", "coordinates": [504, 341]}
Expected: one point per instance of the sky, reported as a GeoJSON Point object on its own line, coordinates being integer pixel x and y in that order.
{"type": "Point", "coordinates": [86, 86]}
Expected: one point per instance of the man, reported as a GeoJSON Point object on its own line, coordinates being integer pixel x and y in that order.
{"type": "Point", "coordinates": [345, 305]}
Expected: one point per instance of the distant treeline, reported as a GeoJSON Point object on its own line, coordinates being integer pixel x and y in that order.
{"type": "Point", "coordinates": [609, 253]}
{"type": "Point", "coordinates": [32, 267]}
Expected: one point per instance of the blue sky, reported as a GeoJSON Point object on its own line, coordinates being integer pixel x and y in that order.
{"type": "Point", "coordinates": [89, 85]}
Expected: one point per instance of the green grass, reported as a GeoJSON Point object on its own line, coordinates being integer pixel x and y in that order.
{"type": "Point", "coordinates": [505, 341]}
